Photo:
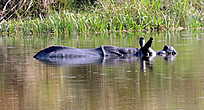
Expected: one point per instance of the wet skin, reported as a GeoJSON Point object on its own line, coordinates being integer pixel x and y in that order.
{"type": "Point", "coordinates": [74, 55]}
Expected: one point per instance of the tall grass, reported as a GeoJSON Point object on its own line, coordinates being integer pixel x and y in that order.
{"type": "Point", "coordinates": [108, 16]}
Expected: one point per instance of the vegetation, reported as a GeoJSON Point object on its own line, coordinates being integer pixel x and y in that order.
{"type": "Point", "coordinates": [68, 16]}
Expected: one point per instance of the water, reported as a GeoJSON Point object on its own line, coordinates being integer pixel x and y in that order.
{"type": "Point", "coordinates": [27, 84]}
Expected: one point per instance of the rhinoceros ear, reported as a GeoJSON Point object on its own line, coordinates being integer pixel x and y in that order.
{"type": "Point", "coordinates": [142, 42]}
{"type": "Point", "coordinates": [149, 43]}
{"type": "Point", "coordinates": [146, 47]}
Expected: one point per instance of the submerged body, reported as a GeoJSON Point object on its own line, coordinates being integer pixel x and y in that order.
{"type": "Point", "coordinates": [76, 55]}
{"type": "Point", "coordinates": [102, 51]}
{"type": "Point", "coordinates": [62, 55]}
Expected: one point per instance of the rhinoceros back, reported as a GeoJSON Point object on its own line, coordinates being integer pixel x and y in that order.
{"type": "Point", "coordinates": [67, 52]}
{"type": "Point", "coordinates": [45, 53]}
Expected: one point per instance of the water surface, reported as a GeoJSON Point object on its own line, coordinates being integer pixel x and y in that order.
{"type": "Point", "coordinates": [28, 84]}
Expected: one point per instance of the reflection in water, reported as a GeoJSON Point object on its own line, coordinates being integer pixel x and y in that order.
{"type": "Point", "coordinates": [114, 84]}
{"type": "Point", "coordinates": [103, 61]}
{"type": "Point", "coordinates": [145, 62]}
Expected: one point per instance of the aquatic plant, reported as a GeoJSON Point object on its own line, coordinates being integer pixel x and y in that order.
{"type": "Point", "coordinates": [109, 16]}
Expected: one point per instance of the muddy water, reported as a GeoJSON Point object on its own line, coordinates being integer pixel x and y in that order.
{"type": "Point", "coordinates": [28, 84]}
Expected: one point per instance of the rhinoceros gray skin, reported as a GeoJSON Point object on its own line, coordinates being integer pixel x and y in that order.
{"type": "Point", "coordinates": [68, 55]}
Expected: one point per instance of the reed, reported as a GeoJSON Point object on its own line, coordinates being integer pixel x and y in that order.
{"type": "Point", "coordinates": [111, 16]}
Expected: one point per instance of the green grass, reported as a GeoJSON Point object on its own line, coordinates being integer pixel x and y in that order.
{"type": "Point", "coordinates": [112, 16]}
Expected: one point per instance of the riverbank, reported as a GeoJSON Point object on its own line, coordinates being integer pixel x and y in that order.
{"type": "Point", "coordinates": [125, 16]}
